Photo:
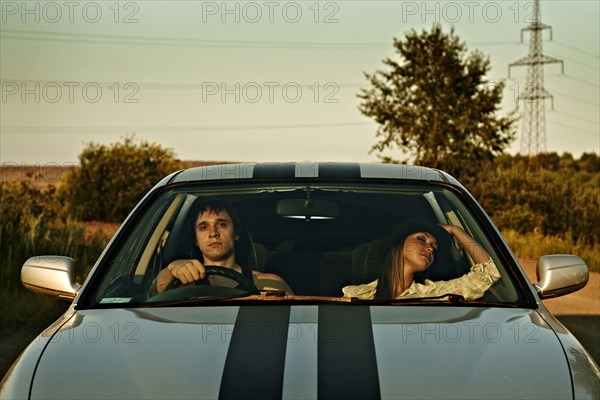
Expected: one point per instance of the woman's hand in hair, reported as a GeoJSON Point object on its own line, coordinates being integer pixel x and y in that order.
{"type": "Point", "coordinates": [471, 246]}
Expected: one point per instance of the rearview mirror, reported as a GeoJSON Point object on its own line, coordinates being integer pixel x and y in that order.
{"type": "Point", "coordinates": [307, 209]}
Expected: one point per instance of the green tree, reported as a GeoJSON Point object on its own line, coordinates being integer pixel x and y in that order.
{"type": "Point", "coordinates": [111, 179]}
{"type": "Point", "coordinates": [436, 103]}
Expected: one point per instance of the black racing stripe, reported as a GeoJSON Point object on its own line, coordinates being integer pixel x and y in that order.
{"type": "Point", "coordinates": [256, 355]}
{"type": "Point", "coordinates": [347, 366]}
{"type": "Point", "coordinates": [274, 170]}
{"type": "Point", "coordinates": [339, 170]}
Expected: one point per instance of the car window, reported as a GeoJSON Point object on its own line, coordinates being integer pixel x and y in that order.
{"type": "Point", "coordinates": [318, 237]}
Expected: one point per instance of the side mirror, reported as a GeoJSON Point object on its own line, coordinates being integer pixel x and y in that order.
{"type": "Point", "coordinates": [560, 274]}
{"type": "Point", "coordinates": [52, 276]}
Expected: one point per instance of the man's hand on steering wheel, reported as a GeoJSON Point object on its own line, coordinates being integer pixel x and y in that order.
{"type": "Point", "coordinates": [244, 283]}
{"type": "Point", "coordinates": [187, 271]}
{"type": "Point", "coordinates": [184, 271]}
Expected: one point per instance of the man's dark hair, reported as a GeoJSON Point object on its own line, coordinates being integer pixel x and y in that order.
{"type": "Point", "coordinates": [244, 255]}
{"type": "Point", "coordinates": [202, 204]}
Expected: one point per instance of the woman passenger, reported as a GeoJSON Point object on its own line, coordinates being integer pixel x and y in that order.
{"type": "Point", "coordinates": [414, 248]}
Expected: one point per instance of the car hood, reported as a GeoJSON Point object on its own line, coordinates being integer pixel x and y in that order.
{"type": "Point", "coordinates": [304, 352]}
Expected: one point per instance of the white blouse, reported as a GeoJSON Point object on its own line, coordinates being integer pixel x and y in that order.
{"type": "Point", "coordinates": [471, 285]}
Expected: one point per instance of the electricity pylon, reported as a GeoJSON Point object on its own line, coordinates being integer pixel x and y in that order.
{"type": "Point", "coordinates": [533, 131]}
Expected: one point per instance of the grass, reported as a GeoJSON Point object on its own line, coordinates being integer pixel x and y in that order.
{"type": "Point", "coordinates": [25, 314]}
{"type": "Point", "coordinates": [20, 307]}
{"type": "Point", "coordinates": [533, 245]}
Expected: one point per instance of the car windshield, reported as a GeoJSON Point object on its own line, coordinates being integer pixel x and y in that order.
{"type": "Point", "coordinates": [317, 237]}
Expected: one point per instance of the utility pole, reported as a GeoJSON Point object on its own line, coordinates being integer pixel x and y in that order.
{"type": "Point", "coordinates": [533, 130]}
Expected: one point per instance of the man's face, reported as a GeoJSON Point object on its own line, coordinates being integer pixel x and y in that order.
{"type": "Point", "coordinates": [215, 236]}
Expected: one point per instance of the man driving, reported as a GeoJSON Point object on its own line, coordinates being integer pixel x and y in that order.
{"type": "Point", "coordinates": [217, 227]}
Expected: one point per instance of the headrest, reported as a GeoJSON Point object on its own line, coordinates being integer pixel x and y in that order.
{"type": "Point", "coordinates": [245, 254]}
{"type": "Point", "coordinates": [262, 255]}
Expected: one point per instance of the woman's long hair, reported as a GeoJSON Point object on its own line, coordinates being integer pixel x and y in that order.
{"type": "Point", "coordinates": [391, 278]}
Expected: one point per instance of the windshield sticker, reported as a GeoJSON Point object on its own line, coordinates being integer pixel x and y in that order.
{"type": "Point", "coordinates": [113, 300]}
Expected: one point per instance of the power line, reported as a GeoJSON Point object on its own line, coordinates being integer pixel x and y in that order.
{"type": "Point", "coordinates": [93, 37]}
{"type": "Point", "coordinates": [122, 129]}
{"type": "Point", "coordinates": [200, 86]}
{"type": "Point", "coordinates": [576, 10]}
{"type": "Point", "coordinates": [163, 41]}
{"type": "Point", "coordinates": [597, 133]}
{"type": "Point", "coordinates": [577, 99]}
{"type": "Point", "coordinates": [578, 62]}
{"type": "Point", "coordinates": [110, 39]}
{"type": "Point", "coordinates": [596, 122]}
{"type": "Point", "coordinates": [185, 86]}
{"type": "Point", "coordinates": [567, 77]}
{"type": "Point", "coordinates": [21, 34]}
{"type": "Point", "coordinates": [582, 80]}
{"type": "Point", "coordinates": [105, 129]}
{"type": "Point", "coordinates": [596, 56]}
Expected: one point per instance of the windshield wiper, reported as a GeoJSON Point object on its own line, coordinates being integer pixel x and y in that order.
{"type": "Point", "coordinates": [253, 297]}
{"type": "Point", "coordinates": [196, 300]}
{"type": "Point", "coordinates": [449, 298]}
{"type": "Point", "coordinates": [269, 296]}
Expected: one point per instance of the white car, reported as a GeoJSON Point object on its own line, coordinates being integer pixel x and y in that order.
{"type": "Point", "coordinates": [321, 229]}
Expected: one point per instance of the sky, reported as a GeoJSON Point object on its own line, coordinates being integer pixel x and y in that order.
{"type": "Point", "coordinates": [260, 81]}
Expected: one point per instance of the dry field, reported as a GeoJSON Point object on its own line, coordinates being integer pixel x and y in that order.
{"type": "Point", "coordinates": [44, 174]}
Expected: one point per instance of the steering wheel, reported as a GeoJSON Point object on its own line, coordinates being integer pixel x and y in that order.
{"type": "Point", "coordinates": [244, 283]}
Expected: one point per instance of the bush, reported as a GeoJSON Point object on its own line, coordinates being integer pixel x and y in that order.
{"type": "Point", "coordinates": [533, 245]}
{"type": "Point", "coordinates": [556, 195]}
{"type": "Point", "coordinates": [112, 179]}
{"type": "Point", "coordinates": [32, 225]}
